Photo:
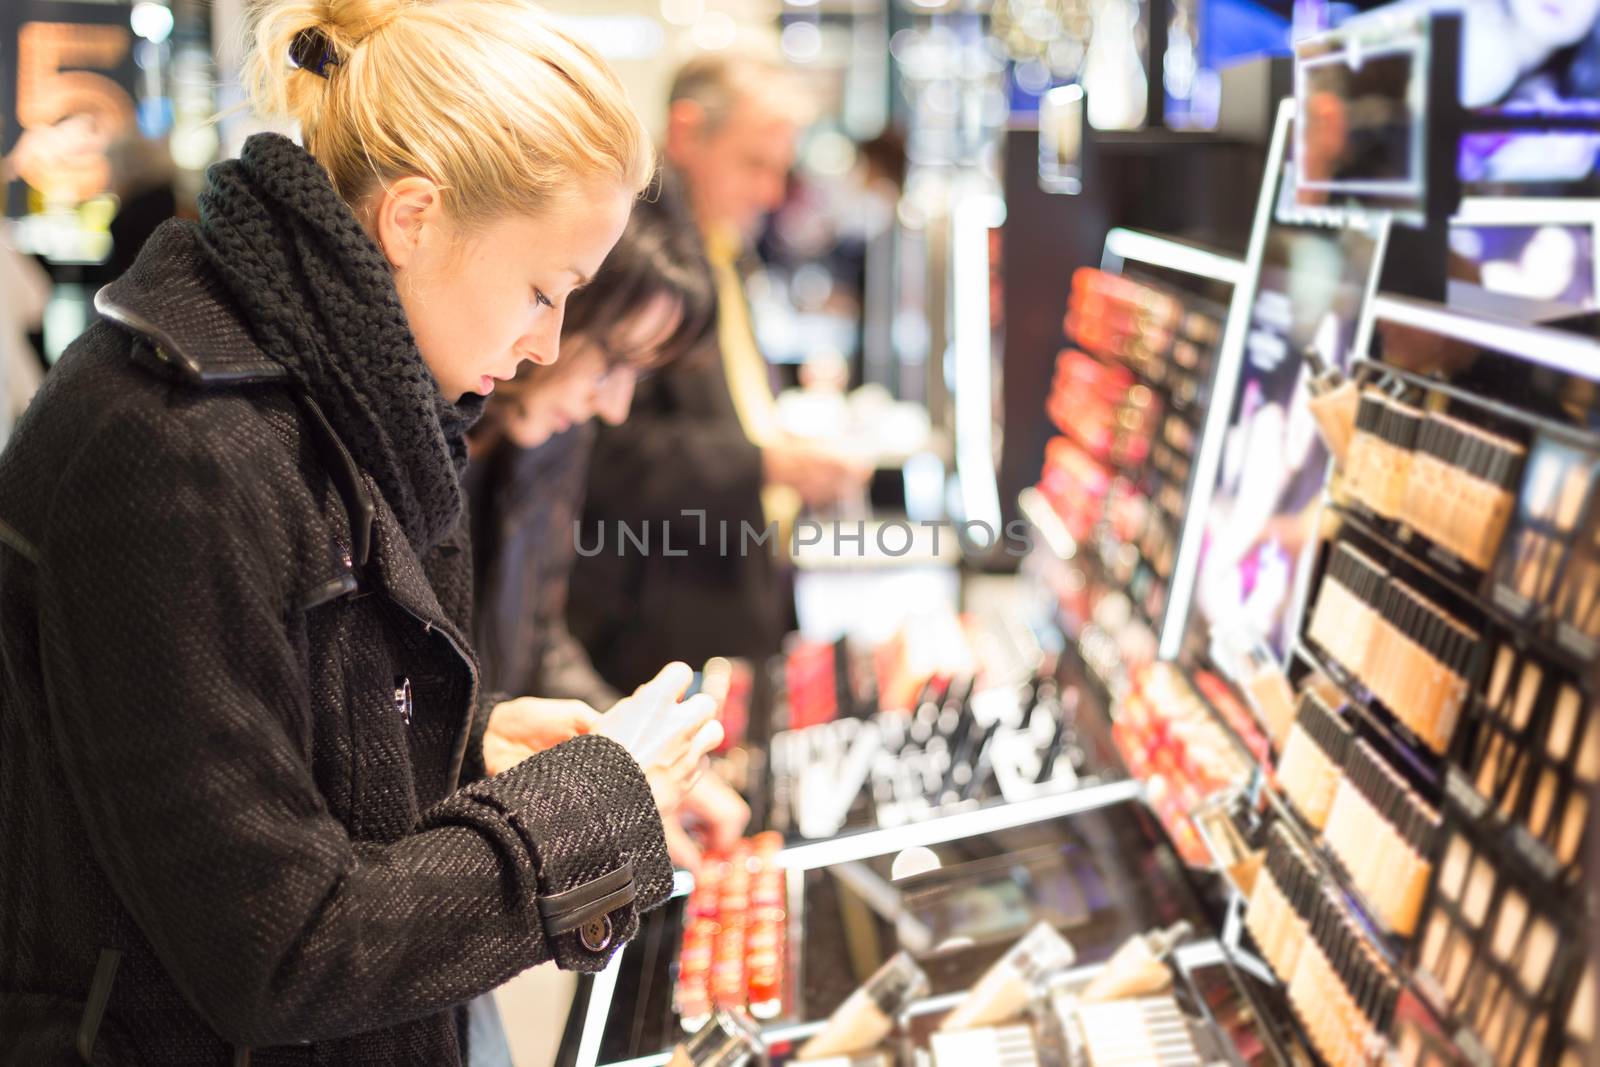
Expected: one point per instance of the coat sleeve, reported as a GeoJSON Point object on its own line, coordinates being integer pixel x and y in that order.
{"type": "Point", "coordinates": [179, 710]}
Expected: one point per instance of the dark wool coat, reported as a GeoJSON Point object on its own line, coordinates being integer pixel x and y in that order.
{"type": "Point", "coordinates": [236, 706]}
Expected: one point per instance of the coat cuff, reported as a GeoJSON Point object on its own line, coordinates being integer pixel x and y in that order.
{"type": "Point", "coordinates": [578, 827]}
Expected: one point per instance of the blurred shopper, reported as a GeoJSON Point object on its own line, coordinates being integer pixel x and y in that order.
{"type": "Point", "coordinates": [705, 439]}
{"type": "Point", "coordinates": [651, 305]}
{"type": "Point", "coordinates": [237, 698]}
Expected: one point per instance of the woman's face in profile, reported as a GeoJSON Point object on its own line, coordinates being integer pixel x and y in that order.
{"type": "Point", "coordinates": [483, 299]}
{"type": "Point", "coordinates": [592, 379]}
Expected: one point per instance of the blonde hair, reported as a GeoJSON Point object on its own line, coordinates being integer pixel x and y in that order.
{"type": "Point", "coordinates": [488, 98]}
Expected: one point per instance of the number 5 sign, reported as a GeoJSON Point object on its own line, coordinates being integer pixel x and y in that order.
{"type": "Point", "coordinates": [69, 111]}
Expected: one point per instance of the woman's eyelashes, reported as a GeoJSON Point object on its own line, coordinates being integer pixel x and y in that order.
{"type": "Point", "coordinates": [542, 300]}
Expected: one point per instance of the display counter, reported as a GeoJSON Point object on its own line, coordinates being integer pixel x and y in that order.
{"type": "Point", "coordinates": [955, 893]}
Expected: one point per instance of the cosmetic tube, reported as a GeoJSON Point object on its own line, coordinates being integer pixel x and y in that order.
{"type": "Point", "coordinates": [870, 1013]}
{"type": "Point", "coordinates": [1335, 402]}
{"type": "Point", "coordinates": [1006, 988]}
{"type": "Point", "coordinates": [1139, 967]}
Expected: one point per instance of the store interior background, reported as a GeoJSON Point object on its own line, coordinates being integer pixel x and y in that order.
{"type": "Point", "coordinates": [931, 293]}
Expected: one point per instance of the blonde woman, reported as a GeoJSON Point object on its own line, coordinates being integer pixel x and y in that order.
{"type": "Point", "coordinates": [243, 809]}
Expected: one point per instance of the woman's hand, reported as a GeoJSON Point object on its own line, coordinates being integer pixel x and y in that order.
{"type": "Point", "coordinates": [685, 854]}
{"type": "Point", "coordinates": [520, 728]}
{"type": "Point", "coordinates": [719, 809]}
{"type": "Point", "coordinates": [674, 772]}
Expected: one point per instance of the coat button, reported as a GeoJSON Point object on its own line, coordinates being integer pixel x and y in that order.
{"type": "Point", "coordinates": [402, 698]}
{"type": "Point", "coordinates": [596, 934]}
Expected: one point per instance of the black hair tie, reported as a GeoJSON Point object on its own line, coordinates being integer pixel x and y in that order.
{"type": "Point", "coordinates": [311, 50]}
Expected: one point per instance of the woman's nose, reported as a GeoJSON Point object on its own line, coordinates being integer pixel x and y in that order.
{"type": "Point", "coordinates": [542, 343]}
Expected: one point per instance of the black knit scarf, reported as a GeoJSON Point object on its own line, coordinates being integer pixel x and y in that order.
{"type": "Point", "coordinates": [321, 300]}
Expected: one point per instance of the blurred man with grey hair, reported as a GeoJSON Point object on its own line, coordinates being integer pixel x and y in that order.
{"type": "Point", "coordinates": [705, 437]}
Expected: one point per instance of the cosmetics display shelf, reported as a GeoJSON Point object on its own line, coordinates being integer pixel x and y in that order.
{"type": "Point", "coordinates": [1290, 1039]}
{"type": "Point", "coordinates": [1458, 579]}
{"type": "Point", "coordinates": [1448, 782]}
{"type": "Point", "coordinates": [1397, 744]}
{"type": "Point", "coordinates": [1537, 860]}
{"type": "Point", "coordinates": [1227, 1002]}
{"type": "Point", "coordinates": [1390, 945]}
{"type": "Point", "coordinates": [1419, 998]}
{"type": "Point", "coordinates": [1263, 795]}
{"type": "Point", "coordinates": [1497, 990]}
{"type": "Point", "coordinates": [1262, 792]}
{"type": "Point", "coordinates": [1520, 612]}
{"type": "Point", "coordinates": [956, 888]}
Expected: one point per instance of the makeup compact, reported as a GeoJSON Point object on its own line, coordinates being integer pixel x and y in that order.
{"type": "Point", "coordinates": [1535, 753]}
{"type": "Point", "coordinates": [1494, 953]}
{"type": "Point", "coordinates": [1556, 493]}
{"type": "Point", "coordinates": [1578, 1044]}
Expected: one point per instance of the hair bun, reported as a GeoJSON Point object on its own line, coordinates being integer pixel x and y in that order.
{"type": "Point", "coordinates": [355, 20]}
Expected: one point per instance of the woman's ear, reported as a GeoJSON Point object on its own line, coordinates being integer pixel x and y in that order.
{"type": "Point", "coordinates": [405, 210]}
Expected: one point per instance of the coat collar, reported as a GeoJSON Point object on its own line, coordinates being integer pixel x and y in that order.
{"type": "Point", "coordinates": [195, 336]}
{"type": "Point", "coordinates": [172, 301]}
